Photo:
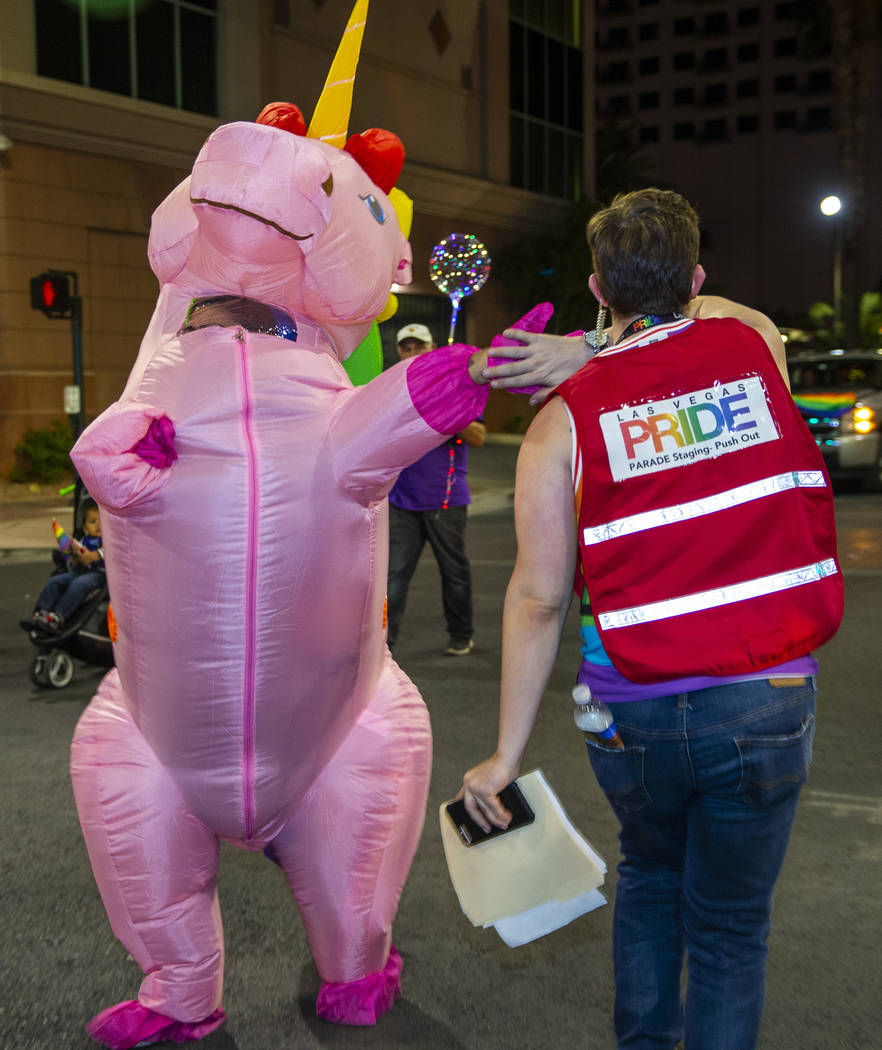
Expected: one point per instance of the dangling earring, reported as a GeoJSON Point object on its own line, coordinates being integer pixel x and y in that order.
{"type": "Point", "coordinates": [597, 339]}
{"type": "Point", "coordinates": [600, 336]}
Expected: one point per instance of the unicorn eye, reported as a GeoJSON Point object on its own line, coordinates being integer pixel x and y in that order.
{"type": "Point", "coordinates": [376, 209]}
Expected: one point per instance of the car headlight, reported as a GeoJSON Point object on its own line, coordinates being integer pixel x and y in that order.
{"type": "Point", "coordinates": [860, 420]}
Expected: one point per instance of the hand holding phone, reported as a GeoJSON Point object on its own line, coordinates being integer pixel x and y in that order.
{"type": "Point", "coordinates": [511, 797]}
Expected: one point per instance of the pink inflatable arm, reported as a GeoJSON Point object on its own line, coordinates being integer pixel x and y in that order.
{"type": "Point", "coordinates": [533, 320]}
{"type": "Point", "coordinates": [389, 423]}
{"type": "Point", "coordinates": [124, 455]}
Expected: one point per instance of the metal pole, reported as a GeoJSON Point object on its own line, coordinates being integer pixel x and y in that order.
{"type": "Point", "coordinates": [837, 279]}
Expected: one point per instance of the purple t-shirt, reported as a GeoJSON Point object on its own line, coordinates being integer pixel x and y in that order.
{"type": "Point", "coordinates": [438, 478]}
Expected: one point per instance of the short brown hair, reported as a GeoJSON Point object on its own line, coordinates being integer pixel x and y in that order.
{"type": "Point", "coordinates": [644, 248]}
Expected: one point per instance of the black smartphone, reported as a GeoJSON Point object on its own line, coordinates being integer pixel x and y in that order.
{"type": "Point", "coordinates": [511, 797]}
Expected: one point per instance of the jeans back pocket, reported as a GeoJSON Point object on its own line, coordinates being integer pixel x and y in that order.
{"type": "Point", "coordinates": [775, 767]}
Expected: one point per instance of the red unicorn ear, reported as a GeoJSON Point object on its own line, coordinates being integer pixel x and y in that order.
{"type": "Point", "coordinates": [284, 115]}
{"type": "Point", "coordinates": [380, 153]}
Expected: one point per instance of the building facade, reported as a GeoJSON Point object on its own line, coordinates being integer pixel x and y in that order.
{"type": "Point", "coordinates": [733, 103]}
{"type": "Point", "coordinates": [103, 107]}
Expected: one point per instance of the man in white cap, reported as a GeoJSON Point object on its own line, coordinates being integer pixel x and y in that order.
{"type": "Point", "coordinates": [428, 503]}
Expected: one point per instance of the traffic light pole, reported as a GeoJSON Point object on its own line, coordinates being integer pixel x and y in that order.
{"type": "Point", "coordinates": [50, 293]}
{"type": "Point", "coordinates": [78, 419]}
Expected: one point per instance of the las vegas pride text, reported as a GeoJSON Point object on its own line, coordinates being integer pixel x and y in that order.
{"type": "Point", "coordinates": [677, 431]}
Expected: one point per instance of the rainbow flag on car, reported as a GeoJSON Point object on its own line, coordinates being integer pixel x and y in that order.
{"type": "Point", "coordinates": [825, 404]}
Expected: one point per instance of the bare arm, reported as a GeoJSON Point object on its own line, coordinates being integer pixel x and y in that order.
{"type": "Point", "coordinates": [85, 557]}
{"type": "Point", "coordinates": [474, 434]}
{"type": "Point", "coordinates": [704, 306]}
{"type": "Point", "coordinates": [536, 604]}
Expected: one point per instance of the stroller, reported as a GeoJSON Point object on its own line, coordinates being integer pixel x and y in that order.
{"type": "Point", "coordinates": [86, 635]}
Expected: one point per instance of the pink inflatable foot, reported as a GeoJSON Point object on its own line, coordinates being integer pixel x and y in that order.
{"type": "Point", "coordinates": [364, 1001]}
{"type": "Point", "coordinates": [131, 1024]}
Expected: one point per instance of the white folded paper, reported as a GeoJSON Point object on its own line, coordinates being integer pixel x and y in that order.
{"type": "Point", "coordinates": [529, 881]}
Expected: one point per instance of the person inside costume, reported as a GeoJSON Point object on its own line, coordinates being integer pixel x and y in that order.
{"type": "Point", "coordinates": [254, 699]}
{"type": "Point", "coordinates": [675, 475]}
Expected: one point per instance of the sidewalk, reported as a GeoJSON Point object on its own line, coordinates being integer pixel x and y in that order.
{"type": "Point", "coordinates": [26, 511]}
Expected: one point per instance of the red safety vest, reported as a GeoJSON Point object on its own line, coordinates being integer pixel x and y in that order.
{"type": "Point", "coordinates": [706, 522]}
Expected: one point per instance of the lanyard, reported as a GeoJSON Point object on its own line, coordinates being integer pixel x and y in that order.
{"type": "Point", "coordinates": [640, 324]}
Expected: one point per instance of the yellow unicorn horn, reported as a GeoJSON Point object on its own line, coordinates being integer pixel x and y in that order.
{"type": "Point", "coordinates": [330, 121]}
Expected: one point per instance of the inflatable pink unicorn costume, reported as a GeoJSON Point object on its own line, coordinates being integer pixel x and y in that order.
{"type": "Point", "coordinates": [254, 699]}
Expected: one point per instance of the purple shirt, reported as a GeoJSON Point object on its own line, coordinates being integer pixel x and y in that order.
{"type": "Point", "coordinates": [436, 480]}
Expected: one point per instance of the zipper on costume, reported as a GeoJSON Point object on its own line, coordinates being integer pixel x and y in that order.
{"type": "Point", "coordinates": [250, 593]}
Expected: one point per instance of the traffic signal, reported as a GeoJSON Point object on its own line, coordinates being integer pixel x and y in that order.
{"type": "Point", "coordinates": [50, 292]}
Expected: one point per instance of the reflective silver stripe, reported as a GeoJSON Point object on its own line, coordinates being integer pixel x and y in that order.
{"type": "Point", "coordinates": [651, 519]}
{"type": "Point", "coordinates": [736, 592]}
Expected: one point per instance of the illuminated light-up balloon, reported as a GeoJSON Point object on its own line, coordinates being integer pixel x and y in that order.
{"type": "Point", "coordinates": [458, 266]}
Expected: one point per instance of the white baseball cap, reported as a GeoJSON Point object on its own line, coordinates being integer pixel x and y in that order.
{"type": "Point", "coordinates": [414, 331]}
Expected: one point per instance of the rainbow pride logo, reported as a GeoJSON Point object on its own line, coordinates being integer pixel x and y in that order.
{"type": "Point", "coordinates": [677, 431]}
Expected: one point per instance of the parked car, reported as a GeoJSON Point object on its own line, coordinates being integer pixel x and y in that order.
{"type": "Point", "coordinates": [839, 393]}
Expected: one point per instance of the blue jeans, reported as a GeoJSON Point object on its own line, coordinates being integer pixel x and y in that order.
{"type": "Point", "coordinates": [705, 792]}
{"type": "Point", "coordinates": [65, 592]}
{"type": "Point", "coordinates": [445, 532]}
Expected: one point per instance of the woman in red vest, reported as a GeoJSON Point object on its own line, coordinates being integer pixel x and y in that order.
{"type": "Point", "coordinates": [674, 479]}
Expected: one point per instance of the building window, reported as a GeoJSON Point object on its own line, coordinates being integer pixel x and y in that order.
{"type": "Point", "coordinates": [545, 92]}
{"type": "Point", "coordinates": [749, 16]}
{"type": "Point", "coordinates": [747, 88]}
{"type": "Point", "coordinates": [649, 134]}
{"type": "Point", "coordinates": [648, 3]}
{"type": "Point", "coordinates": [785, 12]}
{"type": "Point", "coordinates": [716, 23]}
{"type": "Point", "coordinates": [819, 81]}
{"type": "Point", "coordinates": [648, 100]}
{"type": "Point", "coordinates": [785, 47]}
{"type": "Point", "coordinates": [648, 66]}
{"type": "Point", "coordinates": [684, 60]}
{"type": "Point", "coordinates": [614, 73]}
{"type": "Point", "coordinates": [684, 96]}
{"type": "Point", "coordinates": [684, 130]}
{"type": "Point", "coordinates": [714, 130]}
{"type": "Point", "coordinates": [649, 31]}
{"type": "Point", "coordinates": [684, 26]}
{"type": "Point", "coordinates": [748, 123]}
{"type": "Point", "coordinates": [818, 118]}
{"type": "Point", "coordinates": [618, 37]}
{"type": "Point", "coordinates": [165, 52]}
{"type": "Point", "coordinates": [785, 118]}
{"type": "Point", "coordinates": [620, 104]}
{"type": "Point", "coordinates": [715, 95]}
{"type": "Point", "coordinates": [715, 58]}
{"type": "Point", "coordinates": [748, 52]}
{"type": "Point", "coordinates": [785, 84]}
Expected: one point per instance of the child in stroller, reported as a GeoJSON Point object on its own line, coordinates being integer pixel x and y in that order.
{"type": "Point", "coordinates": [70, 615]}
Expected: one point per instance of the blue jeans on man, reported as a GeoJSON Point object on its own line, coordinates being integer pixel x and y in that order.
{"type": "Point", "coordinates": [705, 792]}
{"type": "Point", "coordinates": [444, 530]}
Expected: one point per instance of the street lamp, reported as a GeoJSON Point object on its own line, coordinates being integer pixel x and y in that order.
{"type": "Point", "coordinates": [832, 207]}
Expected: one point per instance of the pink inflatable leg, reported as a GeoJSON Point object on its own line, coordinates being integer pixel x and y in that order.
{"type": "Point", "coordinates": [349, 848]}
{"type": "Point", "coordinates": [154, 861]}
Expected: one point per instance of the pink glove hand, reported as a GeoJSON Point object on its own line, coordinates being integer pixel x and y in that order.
{"type": "Point", "coordinates": [534, 320]}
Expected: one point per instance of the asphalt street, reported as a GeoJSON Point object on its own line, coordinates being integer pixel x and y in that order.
{"type": "Point", "coordinates": [463, 988]}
